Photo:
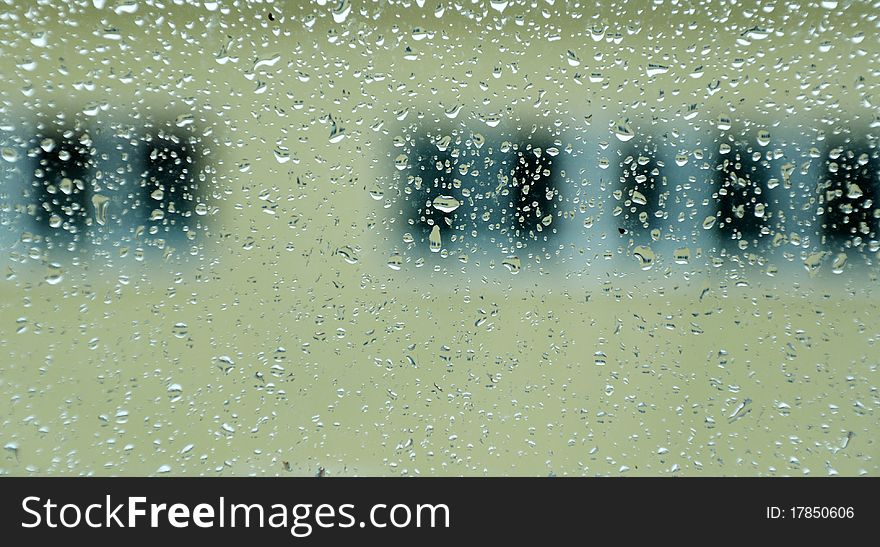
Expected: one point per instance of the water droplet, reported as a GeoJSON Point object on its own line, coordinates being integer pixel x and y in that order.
{"type": "Point", "coordinates": [348, 254]}
{"type": "Point", "coordinates": [9, 154]}
{"type": "Point", "coordinates": [446, 204]}
{"type": "Point", "coordinates": [498, 5]}
{"type": "Point", "coordinates": [814, 261]}
{"type": "Point", "coordinates": [853, 191]}
{"type": "Point", "coordinates": [100, 203]}
{"type": "Point", "coordinates": [623, 131]}
{"type": "Point", "coordinates": [839, 263]}
{"type": "Point", "coordinates": [443, 143]}
{"type": "Point", "coordinates": [681, 255]}
{"type": "Point", "coordinates": [763, 137]}
{"type": "Point", "coordinates": [757, 33]}
{"type": "Point", "coordinates": [224, 363]}
{"type": "Point", "coordinates": [12, 446]}
{"type": "Point", "coordinates": [512, 264]}
{"type": "Point", "coordinates": [55, 274]}
{"type": "Point", "coordinates": [341, 11]}
{"type": "Point", "coordinates": [645, 256]}
{"type": "Point", "coordinates": [452, 111]}
{"type": "Point", "coordinates": [434, 240]}
{"type": "Point", "coordinates": [708, 222]}
{"type": "Point", "coordinates": [337, 133]}
{"type": "Point", "coordinates": [66, 186]}
{"type": "Point", "coordinates": [655, 69]}
{"type": "Point", "coordinates": [395, 261]}
{"type": "Point", "coordinates": [184, 119]}
{"type": "Point", "coordinates": [282, 154]}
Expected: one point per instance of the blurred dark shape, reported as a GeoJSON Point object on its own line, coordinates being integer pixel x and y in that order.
{"type": "Point", "coordinates": [742, 208]}
{"type": "Point", "coordinates": [449, 184]}
{"type": "Point", "coordinates": [59, 186]}
{"type": "Point", "coordinates": [534, 191]}
{"type": "Point", "coordinates": [641, 176]}
{"type": "Point", "coordinates": [848, 193]}
{"type": "Point", "coordinates": [169, 182]}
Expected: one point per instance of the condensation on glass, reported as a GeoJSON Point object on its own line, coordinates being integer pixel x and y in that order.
{"type": "Point", "coordinates": [404, 238]}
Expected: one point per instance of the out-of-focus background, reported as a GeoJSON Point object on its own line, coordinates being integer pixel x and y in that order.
{"type": "Point", "coordinates": [439, 238]}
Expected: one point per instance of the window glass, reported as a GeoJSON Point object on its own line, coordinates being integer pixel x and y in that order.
{"type": "Point", "coordinates": [537, 237]}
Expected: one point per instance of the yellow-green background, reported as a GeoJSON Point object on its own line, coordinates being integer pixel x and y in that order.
{"type": "Point", "coordinates": [415, 383]}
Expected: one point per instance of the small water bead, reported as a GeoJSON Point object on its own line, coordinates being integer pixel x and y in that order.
{"type": "Point", "coordinates": [452, 111]}
{"type": "Point", "coordinates": [645, 255]}
{"type": "Point", "coordinates": [395, 261]}
{"type": "Point", "coordinates": [443, 143]}
{"type": "Point", "coordinates": [512, 264]}
{"type": "Point", "coordinates": [55, 274]}
{"type": "Point", "coordinates": [492, 120]}
{"type": "Point", "coordinates": [656, 69]}
{"type": "Point", "coordinates": [445, 204]}
{"type": "Point", "coordinates": [682, 255]}
{"type": "Point", "coordinates": [839, 263]}
{"type": "Point", "coordinates": [9, 154]}
{"type": "Point", "coordinates": [499, 5]}
{"type": "Point", "coordinates": [341, 11]}
{"type": "Point", "coordinates": [434, 240]}
{"type": "Point", "coordinates": [348, 254]}
{"type": "Point", "coordinates": [814, 261]}
{"type": "Point", "coordinates": [623, 131]}
{"type": "Point", "coordinates": [853, 191]}
{"type": "Point", "coordinates": [100, 203]}
{"type": "Point", "coordinates": [282, 154]}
